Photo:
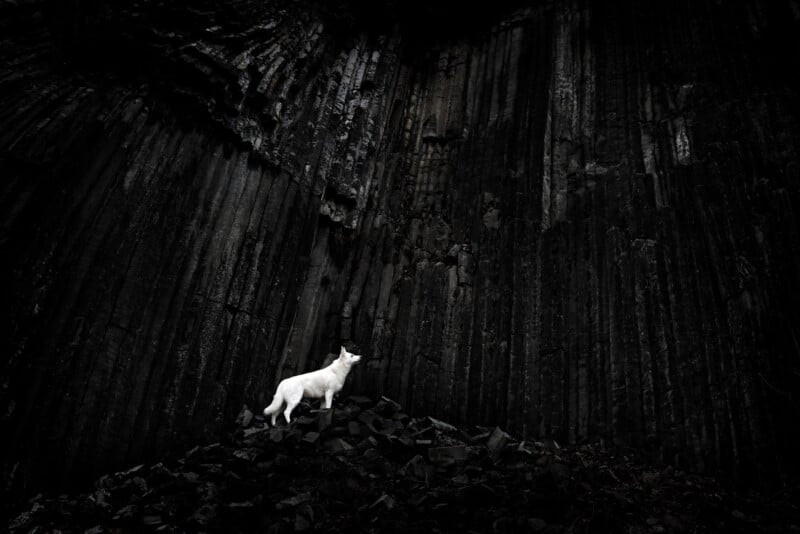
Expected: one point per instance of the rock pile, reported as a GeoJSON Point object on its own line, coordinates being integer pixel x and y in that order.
{"type": "Point", "coordinates": [366, 466]}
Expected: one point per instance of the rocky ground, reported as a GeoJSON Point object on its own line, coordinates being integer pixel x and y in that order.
{"type": "Point", "coordinates": [368, 467]}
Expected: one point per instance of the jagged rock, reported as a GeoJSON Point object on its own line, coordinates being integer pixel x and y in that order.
{"type": "Point", "coordinates": [368, 443]}
{"type": "Point", "coordinates": [337, 445]}
{"type": "Point", "coordinates": [447, 455]}
{"type": "Point", "coordinates": [252, 484]}
{"type": "Point", "coordinates": [416, 467]}
{"type": "Point", "coordinates": [353, 428]}
{"type": "Point", "coordinates": [387, 407]}
{"type": "Point", "coordinates": [325, 420]}
{"type": "Point", "coordinates": [255, 430]}
{"type": "Point", "coordinates": [241, 505]}
{"type": "Point", "coordinates": [249, 454]}
{"type": "Point", "coordinates": [301, 523]}
{"type": "Point", "coordinates": [536, 524]}
{"type": "Point", "coordinates": [385, 501]}
{"type": "Point", "coordinates": [204, 515]}
{"type": "Point", "coordinates": [293, 501]}
{"type": "Point", "coordinates": [461, 479]}
{"type": "Point", "coordinates": [305, 421]}
{"type": "Point", "coordinates": [277, 434]}
{"type": "Point", "coordinates": [311, 437]}
{"type": "Point", "coordinates": [152, 520]}
{"type": "Point", "coordinates": [497, 440]}
{"type": "Point", "coordinates": [360, 400]}
{"type": "Point", "coordinates": [245, 417]}
{"type": "Point", "coordinates": [407, 441]}
{"type": "Point", "coordinates": [566, 218]}
{"type": "Point", "coordinates": [549, 443]}
{"type": "Point", "coordinates": [126, 512]}
{"type": "Point", "coordinates": [441, 425]}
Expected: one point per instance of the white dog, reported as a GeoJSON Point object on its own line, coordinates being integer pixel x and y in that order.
{"type": "Point", "coordinates": [316, 384]}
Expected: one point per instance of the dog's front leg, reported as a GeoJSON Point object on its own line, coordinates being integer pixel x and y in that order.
{"type": "Point", "coordinates": [328, 398]}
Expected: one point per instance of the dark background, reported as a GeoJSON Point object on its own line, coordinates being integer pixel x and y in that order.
{"type": "Point", "coordinates": [573, 219]}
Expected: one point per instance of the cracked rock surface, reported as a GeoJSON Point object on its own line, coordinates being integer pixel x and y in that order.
{"type": "Point", "coordinates": [568, 218]}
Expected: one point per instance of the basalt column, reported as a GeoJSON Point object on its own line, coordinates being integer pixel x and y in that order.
{"type": "Point", "coordinates": [570, 219]}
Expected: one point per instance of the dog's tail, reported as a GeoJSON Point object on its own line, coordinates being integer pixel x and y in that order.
{"type": "Point", "coordinates": [277, 402]}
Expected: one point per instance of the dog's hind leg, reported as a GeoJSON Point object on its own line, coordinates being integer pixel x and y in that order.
{"type": "Point", "coordinates": [292, 400]}
{"type": "Point", "coordinates": [287, 413]}
{"type": "Point", "coordinates": [275, 407]}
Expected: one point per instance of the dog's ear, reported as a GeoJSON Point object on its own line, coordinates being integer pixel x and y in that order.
{"type": "Point", "coordinates": [342, 352]}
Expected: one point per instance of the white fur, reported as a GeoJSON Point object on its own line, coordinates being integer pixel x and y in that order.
{"type": "Point", "coordinates": [317, 384]}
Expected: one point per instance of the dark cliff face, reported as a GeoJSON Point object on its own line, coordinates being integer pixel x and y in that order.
{"type": "Point", "coordinates": [571, 219]}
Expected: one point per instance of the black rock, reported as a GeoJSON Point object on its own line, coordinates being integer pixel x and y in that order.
{"type": "Point", "coordinates": [325, 419]}
{"type": "Point", "coordinates": [293, 501]}
{"type": "Point", "coordinates": [293, 478]}
{"type": "Point", "coordinates": [337, 445]}
{"type": "Point", "coordinates": [360, 400]}
{"type": "Point", "coordinates": [245, 417]}
{"type": "Point", "coordinates": [304, 421]}
{"type": "Point", "coordinates": [497, 440]}
{"type": "Point", "coordinates": [311, 437]}
{"type": "Point", "coordinates": [446, 456]}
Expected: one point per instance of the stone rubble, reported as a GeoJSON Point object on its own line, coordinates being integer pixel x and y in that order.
{"type": "Point", "coordinates": [366, 466]}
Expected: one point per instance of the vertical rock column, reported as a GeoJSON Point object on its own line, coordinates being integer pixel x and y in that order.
{"type": "Point", "coordinates": [578, 222]}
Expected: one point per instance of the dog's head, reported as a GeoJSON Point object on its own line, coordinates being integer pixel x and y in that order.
{"type": "Point", "coordinates": [348, 358]}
